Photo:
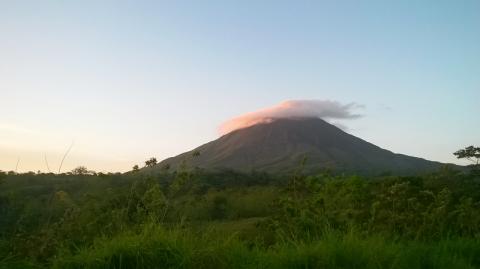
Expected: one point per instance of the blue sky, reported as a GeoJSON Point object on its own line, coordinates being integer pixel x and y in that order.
{"type": "Point", "coordinates": [127, 80]}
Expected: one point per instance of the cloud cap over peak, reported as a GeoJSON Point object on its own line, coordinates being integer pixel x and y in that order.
{"type": "Point", "coordinates": [325, 109]}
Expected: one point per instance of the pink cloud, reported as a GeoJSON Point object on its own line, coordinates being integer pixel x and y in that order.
{"type": "Point", "coordinates": [324, 109]}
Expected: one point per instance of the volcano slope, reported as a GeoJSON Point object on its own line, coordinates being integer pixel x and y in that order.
{"type": "Point", "coordinates": [281, 145]}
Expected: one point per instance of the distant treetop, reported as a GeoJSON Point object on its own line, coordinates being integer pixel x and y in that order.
{"type": "Point", "coordinates": [470, 153]}
{"type": "Point", "coordinates": [151, 162]}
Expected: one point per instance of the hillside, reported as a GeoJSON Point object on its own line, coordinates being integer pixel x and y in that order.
{"type": "Point", "coordinates": [280, 145]}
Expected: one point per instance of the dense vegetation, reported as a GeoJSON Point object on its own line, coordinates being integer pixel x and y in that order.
{"type": "Point", "coordinates": [194, 219]}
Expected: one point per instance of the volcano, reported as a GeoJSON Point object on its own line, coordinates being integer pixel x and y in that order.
{"type": "Point", "coordinates": [281, 145]}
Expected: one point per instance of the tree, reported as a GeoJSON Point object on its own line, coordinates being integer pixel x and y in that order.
{"type": "Point", "coordinates": [470, 153]}
{"type": "Point", "coordinates": [82, 170]}
{"type": "Point", "coordinates": [135, 168]}
{"type": "Point", "coordinates": [151, 162]}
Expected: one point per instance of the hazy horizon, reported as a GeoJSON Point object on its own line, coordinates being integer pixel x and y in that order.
{"type": "Point", "coordinates": [137, 79]}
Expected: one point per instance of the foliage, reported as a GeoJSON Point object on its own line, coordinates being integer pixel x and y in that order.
{"type": "Point", "coordinates": [82, 170]}
{"type": "Point", "coordinates": [470, 153]}
{"type": "Point", "coordinates": [177, 248]}
{"type": "Point", "coordinates": [194, 219]}
{"type": "Point", "coordinates": [151, 162]}
{"type": "Point", "coordinates": [135, 168]}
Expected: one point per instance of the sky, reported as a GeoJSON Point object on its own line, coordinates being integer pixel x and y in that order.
{"type": "Point", "coordinates": [128, 80]}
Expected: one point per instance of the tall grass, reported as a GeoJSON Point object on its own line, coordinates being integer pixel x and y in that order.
{"type": "Point", "coordinates": [156, 247]}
